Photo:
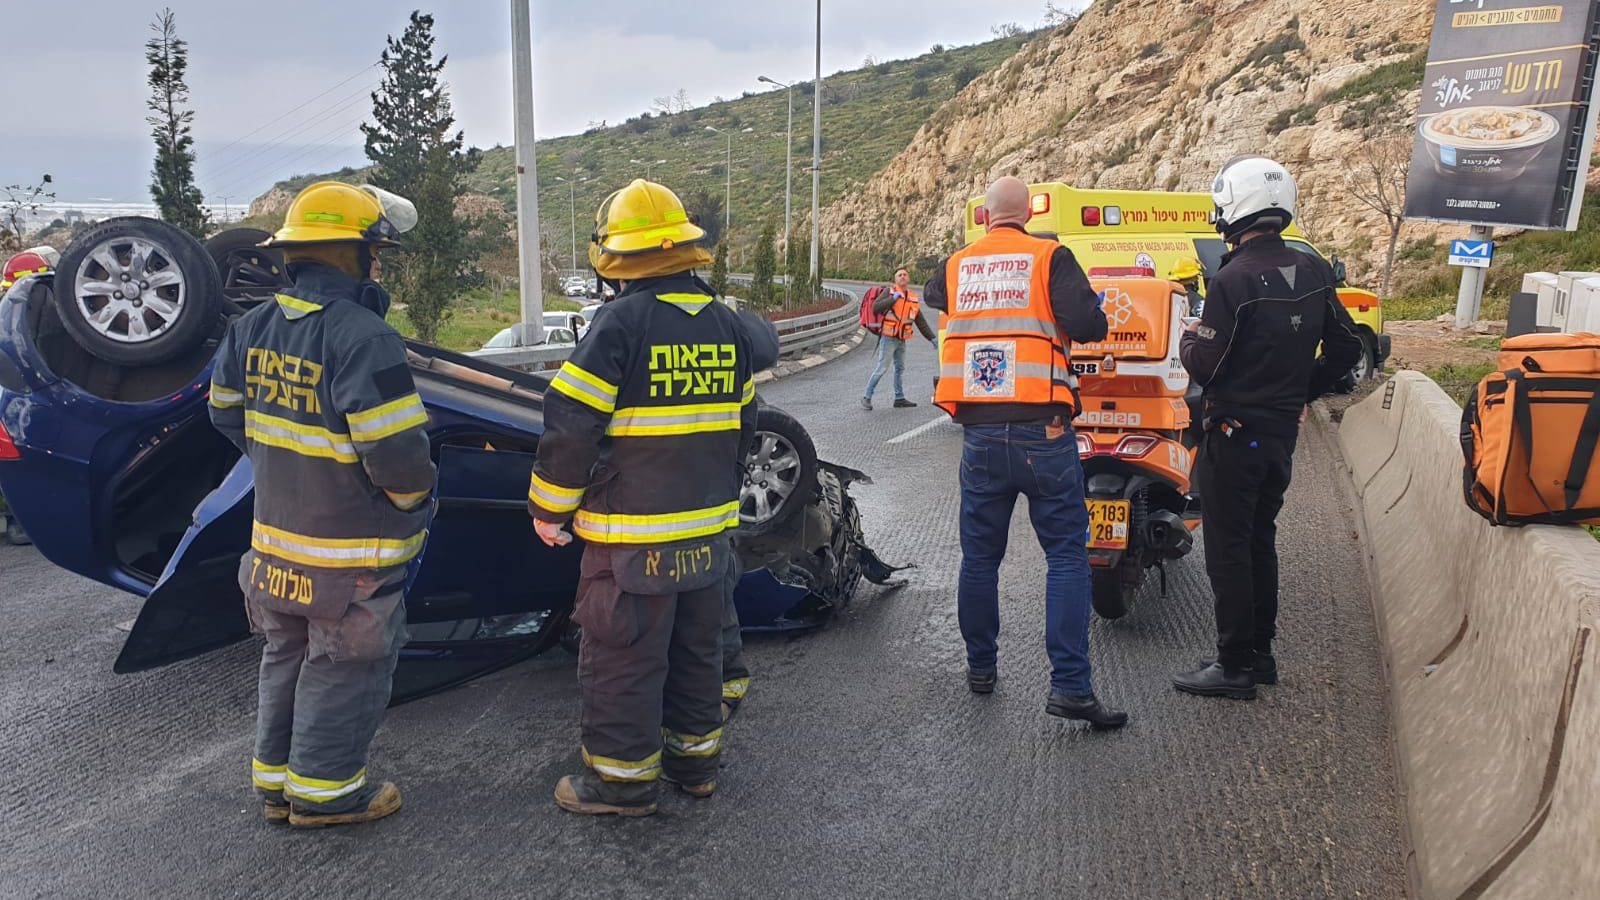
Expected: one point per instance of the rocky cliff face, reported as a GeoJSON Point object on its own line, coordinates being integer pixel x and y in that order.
{"type": "Point", "coordinates": [1156, 95]}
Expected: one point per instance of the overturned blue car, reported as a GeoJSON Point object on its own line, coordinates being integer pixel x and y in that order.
{"type": "Point", "coordinates": [108, 459]}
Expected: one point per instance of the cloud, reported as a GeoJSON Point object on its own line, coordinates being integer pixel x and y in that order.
{"type": "Point", "coordinates": [274, 94]}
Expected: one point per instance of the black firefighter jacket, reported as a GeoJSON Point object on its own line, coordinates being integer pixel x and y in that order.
{"type": "Point", "coordinates": [646, 425]}
{"type": "Point", "coordinates": [316, 390]}
{"type": "Point", "coordinates": [1255, 351]}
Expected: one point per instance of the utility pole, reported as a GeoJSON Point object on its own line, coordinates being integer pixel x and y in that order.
{"type": "Point", "coordinates": [816, 157]}
{"type": "Point", "coordinates": [727, 203]}
{"type": "Point", "coordinates": [528, 251]}
{"type": "Point", "coordinates": [788, 163]}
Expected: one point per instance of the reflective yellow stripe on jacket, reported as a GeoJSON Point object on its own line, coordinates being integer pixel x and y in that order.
{"type": "Point", "coordinates": [322, 790]}
{"type": "Point", "coordinates": [223, 398]}
{"type": "Point", "coordinates": [550, 496]}
{"type": "Point", "coordinates": [336, 553]}
{"type": "Point", "coordinates": [659, 421]}
{"type": "Point", "coordinates": [373, 425]}
{"type": "Point", "coordinates": [664, 528]}
{"type": "Point", "coordinates": [306, 440]}
{"type": "Point", "coordinates": [589, 389]}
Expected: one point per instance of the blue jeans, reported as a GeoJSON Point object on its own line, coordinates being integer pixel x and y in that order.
{"type": "Point", "coordinates": [998, 462]}
{"type": "Point", "coordinates": [886, 346]}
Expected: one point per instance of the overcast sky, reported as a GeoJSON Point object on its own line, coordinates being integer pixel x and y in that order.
{"type": "Point", "coordinates": [299, 67]}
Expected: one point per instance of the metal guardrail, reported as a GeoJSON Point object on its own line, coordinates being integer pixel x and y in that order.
{"type": "Point", "coordinates": [794, 335]}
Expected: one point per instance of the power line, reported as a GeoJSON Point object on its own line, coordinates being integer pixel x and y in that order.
{"type": "Point", "coordinates": [280, 162]}
{"type": "Point", "coordinates": [297, 107]}
{"type": "Point", "coordinates": [312, 121]}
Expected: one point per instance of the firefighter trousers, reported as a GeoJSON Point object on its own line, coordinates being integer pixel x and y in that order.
{"type": "Point", "coordinates": [735, 674]}
{"type": "Point", "coordinates": [650, 671]}
{"type": "Point", "coordinates": [323, 688]}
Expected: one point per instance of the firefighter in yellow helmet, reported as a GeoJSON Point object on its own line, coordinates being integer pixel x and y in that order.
{"type": "Point", "coordinates": [646, 428]}
{"type": "Point", "coordinates": [315, 389]}
{"type": "Point", "coordinates": [1187, 272]}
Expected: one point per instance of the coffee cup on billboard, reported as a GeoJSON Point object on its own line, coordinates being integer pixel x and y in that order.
{"type": "Point", "coordinates": [1486, 143]}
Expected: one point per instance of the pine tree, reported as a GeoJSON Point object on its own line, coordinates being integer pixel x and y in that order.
{"type": "Point", "coordinates": [172, 184]}
{"type": "Point", "coordinates": [719, 271]}
{"type": "Point", "coordinates": [416, 155]}
{"type": "Point", "coordinates": [799, 270]}
{"type": "Point", "coordinates": [766, 265]}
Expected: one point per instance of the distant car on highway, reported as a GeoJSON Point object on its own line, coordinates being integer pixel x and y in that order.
{"type": "Point", "coordinates": [108, 457]}
{"type": "Point", "coordinates": [517, 336]}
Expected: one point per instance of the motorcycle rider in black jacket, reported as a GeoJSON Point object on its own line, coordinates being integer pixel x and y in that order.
{"type": "Point", "coordinates": [1254, 353]}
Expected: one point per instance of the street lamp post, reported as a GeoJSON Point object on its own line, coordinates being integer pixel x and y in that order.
{"type": "Point", "coordinates": [572, 210]}
{"type": "Point", "coordinates": [816, 158]}
{"type": "Point", "coordinates": [647, 165]}
{"type": "Point", "coordinates": [528, 250]}
{"type": "Point", "coordinates": [788, 161]}
{"type": "Point", "coordinates": [727, 202]}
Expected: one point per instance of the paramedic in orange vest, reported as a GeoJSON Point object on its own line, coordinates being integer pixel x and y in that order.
{"type": "Point", "coordinates": [1013, 304]}
{"type": "Point", "coordinates": [901, 310]}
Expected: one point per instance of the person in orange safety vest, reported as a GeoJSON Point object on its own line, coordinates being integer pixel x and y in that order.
{"type": "Point", "coordinates": [901, 309]}
{"type": "Point", "coordinates": [1013, 303]}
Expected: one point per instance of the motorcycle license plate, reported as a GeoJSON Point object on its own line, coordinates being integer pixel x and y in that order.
{"type": "Point", "coordinates": [1108, 524]}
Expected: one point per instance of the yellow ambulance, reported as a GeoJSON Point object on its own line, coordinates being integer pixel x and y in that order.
{"type": "Point", "coordinates": [1123, 230]}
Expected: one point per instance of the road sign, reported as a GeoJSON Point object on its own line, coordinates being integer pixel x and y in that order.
{"type": "Point", "coordinates": [1475, 254]}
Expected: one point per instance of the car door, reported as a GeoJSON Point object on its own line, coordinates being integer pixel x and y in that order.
{"type": "Point", "coordinates": [487, 592]}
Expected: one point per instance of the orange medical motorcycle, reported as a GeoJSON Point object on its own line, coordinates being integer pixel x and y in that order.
{"type": "Point", "coordinates": [1134, 436]}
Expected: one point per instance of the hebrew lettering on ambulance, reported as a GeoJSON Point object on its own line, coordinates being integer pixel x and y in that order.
{"type": "Point", "coordinates": [693, 370]}
{"type": "Point", "coordinates": [277, 379]}
{"type": "Point", "coordinates": [1004, 281]}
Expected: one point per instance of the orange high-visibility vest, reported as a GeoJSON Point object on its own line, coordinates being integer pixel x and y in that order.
{"type": "Point", "coordinates": [902, 317]}
{"type": "Point", "coordinates": [1001, 341]}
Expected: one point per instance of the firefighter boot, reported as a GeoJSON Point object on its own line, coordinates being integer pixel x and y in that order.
{"type": "Point", "coordinates": [587, 794]}
{"type": "Point", "coordinates": [275, 810]}
{"type": "Point", "coordinates": [385, 801]}
{"type": "Point", "coordinates": [698, 790]}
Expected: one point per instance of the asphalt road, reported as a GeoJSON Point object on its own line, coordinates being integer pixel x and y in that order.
{"type": "Point", "coordinates": [860, 767]}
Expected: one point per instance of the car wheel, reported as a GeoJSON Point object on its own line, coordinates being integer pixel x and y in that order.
{"type": "Point", "coordinates": [137, 292]}
{"type": "Point", "coordinates": [248, 270]}
{"type": "Point", "coordinates": [1366, 367]}
{"type": "Point", "coordinates": [780, 473]}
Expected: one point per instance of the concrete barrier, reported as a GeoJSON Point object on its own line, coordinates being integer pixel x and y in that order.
{"type": "Point", "coordinates": [1491, 646]}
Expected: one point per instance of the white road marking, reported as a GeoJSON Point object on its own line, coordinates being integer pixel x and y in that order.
{"type": "Point", "coordinates": [918, 431]}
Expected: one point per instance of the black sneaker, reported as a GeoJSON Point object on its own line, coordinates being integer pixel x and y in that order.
{"type": "Point", "coordinates": [866, 404]}
{"type": "Point", "coordinates": [1085, 709]}
{"type": "Point", "coordinates": [981, 682]}
{"type": "Point", "coordinates": [1216, 681]}
{"type": "Point", "coordinates": [1265, 668]}
{"type": "Point", "coordinates": [904, 404]}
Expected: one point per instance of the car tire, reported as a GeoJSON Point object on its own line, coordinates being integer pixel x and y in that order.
{"type": "Point", "coordinates": [780, 475]}
{"type": "Point", "coordinates": [248, 270]}
{"type": "Point", "coordinates": [177, 294]}
{"type": "Point", "coordinates": [1367, 367]}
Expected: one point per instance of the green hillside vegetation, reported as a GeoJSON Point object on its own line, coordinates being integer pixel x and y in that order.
{"type": "Point", "coordinates": [869, 116]}
{"type": "Point", "coordinates": [1429, 288]}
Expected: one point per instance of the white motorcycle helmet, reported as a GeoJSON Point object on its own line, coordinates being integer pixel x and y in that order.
{"type": "Point", "coordinates": [1253, 192]}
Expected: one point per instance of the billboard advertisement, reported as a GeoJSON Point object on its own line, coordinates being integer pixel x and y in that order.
{"type": "Point", "coordinates": [1505, 127]}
